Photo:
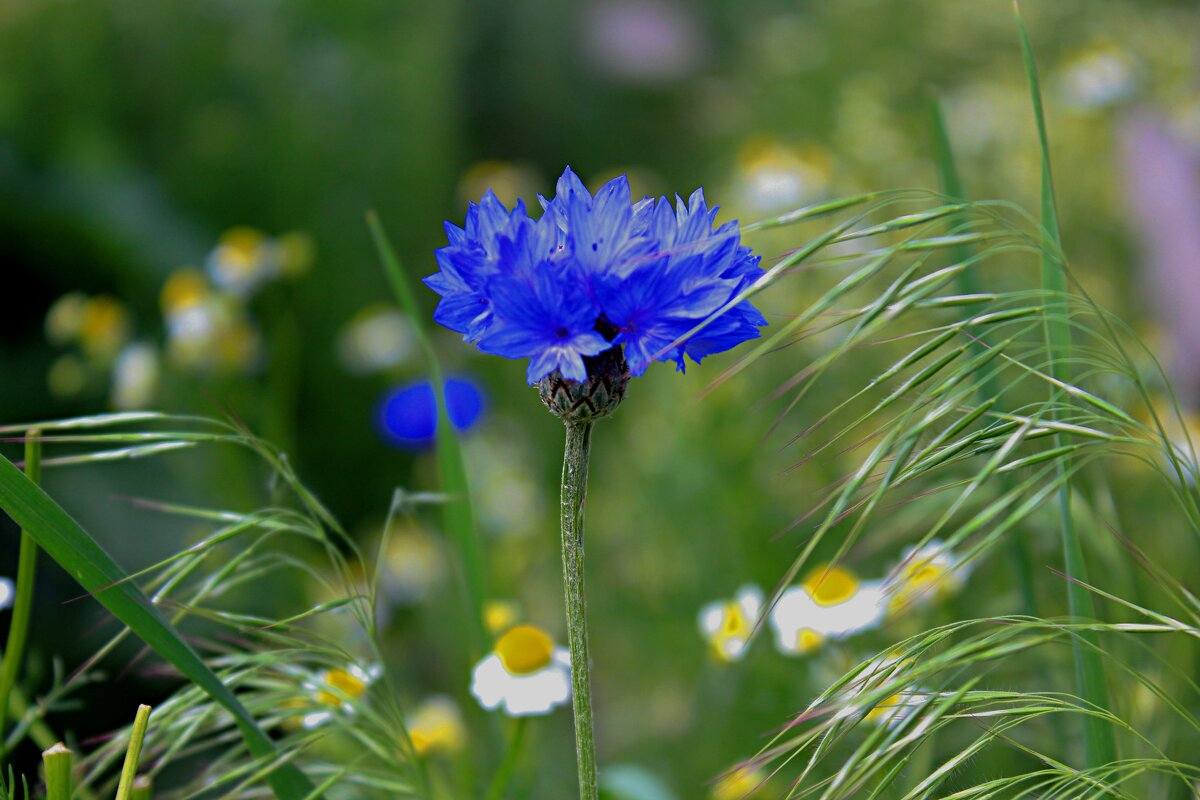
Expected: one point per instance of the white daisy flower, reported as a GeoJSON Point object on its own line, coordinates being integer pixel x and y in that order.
{"type": "Point", "coordinates": [924, 574]}
{"type": "Point", "coordinates": [773, 176]}
{"type": "Point", "coordinates": [413, 565]}
{"type": "Point", "coordinates": [1182, 429]}
{"type": "Point", "coordinates": [436, 726]}
{"type": "Point", "coordinates": [340, 689]}
{"type": "Point", "coordinates": [897, 707]}
{"type": "Point", "coordinates": [135, 377]}
{"type": "Point", "coordinates": [243, 260]}
{"type": "Point", "coordinates": [727, 624]}
{"type": "Point", "coordinates": [1100, 76]}
{"type": "Point", "coordinates": [740, 783]}
{"type": "Point", "coordinates": [378, 338]}
{"type": "Point", "coordinates": [524, 675]}
{"type": "Point", "coordinates": [831, 603]}
{"type": "Point", "coordinates": [7, 593]}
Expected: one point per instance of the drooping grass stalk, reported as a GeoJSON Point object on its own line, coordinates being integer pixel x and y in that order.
{"type": "Point", "coordinates": [56, 761]}
{"type": "Point", "coordinates": [137, 735]}
{"type": "Point", "coordinates": [504, 774]}
{"type": "Point", "coordinates": [18, 630]}
{"type": "Point", "coordinates": [970, 284]}
{"type": "Point", "coordinates": [86, 561]}
{"type": "Point", "coordinates": [1099, 742]}
{"type": "Point", "coordinates": [574, 494]}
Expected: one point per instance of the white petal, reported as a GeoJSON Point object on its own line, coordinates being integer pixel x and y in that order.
{"type": "Point", "coordinates": [733, 649]}
{"type": "Point", "coordinates": [523, 695]}
{"type": "Point", "coordinates": [711, 617]}
{"type": "Point", "coordinates": [539, 692]}
{"type": "Point", "coordinates": [794, 611]}
{"type": "Point", "coordinates": [7, 592]}
{"type": "Point", "coordinates": [750, 598]}
{"type": "Point", "coordinates": [489, 682]}
{"type": "Point", "coordinates": [315, 720]}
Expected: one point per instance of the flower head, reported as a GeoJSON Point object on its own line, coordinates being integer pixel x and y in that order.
{"type": "Point", "coordinates": [207, 329]}
{"type": "Point", "coordinates": [924, 574]}
{"type": "Point", "coordinates": [99, 324]}
{"type": "Point", "coordinates": [727, 624]}
{"type": "Point", "coordinates": [377, 339]}
{"type": "Point", "coordinates": [738, 784]}
{"type": "Point", "coordinates": [525, 674]}
{"type": "Point", "coordinates": [413, 564]}
{"type": "Point", "coordinates": [8, 593]}
{"type": "Point", "coordinates": [408, 414]}
{"type": "Point", "coordinates": [886, 670]}
{"type": "Point", "coordinates": [135, 376]}
{"type": "Point", "coordinates": [436, 726]}
{"type": "Point", "coordinates": [595, 272]}
{"type": "Point", "coordinates": [500, 615]}
{"type": "Point", "coordinates": [339, 689]}
{"type": "Point", "coordinates": [831, 603]}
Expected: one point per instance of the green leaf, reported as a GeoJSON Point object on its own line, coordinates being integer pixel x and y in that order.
{"type": "Point", "coordinates": [86, 561]}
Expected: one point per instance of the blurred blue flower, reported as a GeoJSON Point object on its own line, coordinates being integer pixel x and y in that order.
{"type": "Point", "coordinates": [408, 414]}
{"type": "Point", "coordinates": [593, 273]}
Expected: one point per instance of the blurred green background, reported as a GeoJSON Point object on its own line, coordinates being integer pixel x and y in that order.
{"type": "Point", "coordinates": [134, 136]}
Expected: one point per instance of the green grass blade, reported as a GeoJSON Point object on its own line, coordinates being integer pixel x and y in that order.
{"type": "Point", "coordinates": [86, 561]}
{"type": "Point", "coordinates": [969, 283]}
{"type": "Point", "coordinates": [459, 516]}
{"type": "Point", "coordinates": [137, 736]}
{"type": "Point", "coordinates": [1099, 742]}
{"type": "Point", "coordinates": [56, 763]}
{"type": "Point", "coordinates": [18, 629]}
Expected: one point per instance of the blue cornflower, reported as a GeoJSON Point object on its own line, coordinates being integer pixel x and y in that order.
{"type": "Point", "coordinates": [595, 273]}
{"type": "Point", "coordinates": [407, 414]}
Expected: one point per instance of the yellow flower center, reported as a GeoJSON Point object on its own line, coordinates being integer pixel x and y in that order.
{"type": "Point", "coordinates": [103, 325]}
{"type": "Point", "coordinates": [499, 615]}
{"type": "Point", "coordinates": [436, 727]}
{"type": "Point", "coordinates": [346, 684]}
{"type": "Point", "coordinates": [885, 710]}
{"type": "Point", "coordinates": [184, 287]}
{"type": "Point", "coordinates": [925, 575]}
{"type": "Point", "coordinates": [829, 585]}
{"type": "Point", "coordinates": [919, 578]}
{"type": "Point", "coordinates": [525, 649]}
{"type": "Point", "coordinates": [808, 640]}
{"type": "Point", "coordinates": [734, 627]}
{"type": "Point", "coordinates": [242, 245]}
{"type": "Point", "coordinates": [737, 784]}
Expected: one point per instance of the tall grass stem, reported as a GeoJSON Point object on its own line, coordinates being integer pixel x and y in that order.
{"type": "Point", "coordinates": [56, 761]}
{"type": "Point", "coordinates": [18, 630]}
{"type": "Point", "coordinates": [133, 752]}
{"type": "Point", "coordinates": [1100, 747]}
{"type": "Point", "coordinates": [970, 284]}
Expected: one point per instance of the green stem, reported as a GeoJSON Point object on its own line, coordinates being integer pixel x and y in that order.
{"type": "Point", "coordinates": [143, 788]}
{"type": "Point", "coordinates": [574, 492]}
{"type": "Point", "coordinates": [508, 766]}
{"type": "Point", "coordinates": [137, 735]}
{"type": "Point", "coordinates": [18, 630]}
{"type": "Point", "coordinates": [56, 762]}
